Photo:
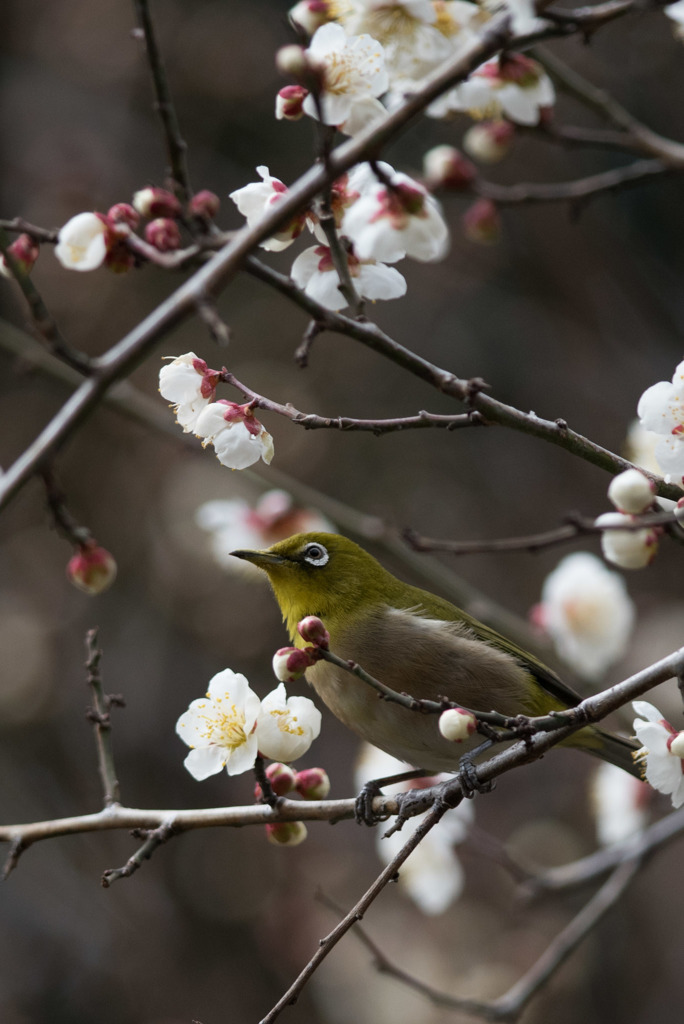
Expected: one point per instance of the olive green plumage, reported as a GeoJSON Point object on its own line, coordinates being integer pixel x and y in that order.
{"type": "Point", "coordinates": [415, 642]}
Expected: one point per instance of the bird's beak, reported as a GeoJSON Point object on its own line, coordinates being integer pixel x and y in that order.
{"type": "Point", "coordinates": [262, 559]}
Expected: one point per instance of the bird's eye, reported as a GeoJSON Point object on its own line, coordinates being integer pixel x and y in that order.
{"type": "Point", "coordinates": [315, 554]}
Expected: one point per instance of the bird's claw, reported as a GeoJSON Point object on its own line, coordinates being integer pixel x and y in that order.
{"type": "Point", "coordinates": [470, 780]}
{"type": "Point", "coordinates": [363, 805]}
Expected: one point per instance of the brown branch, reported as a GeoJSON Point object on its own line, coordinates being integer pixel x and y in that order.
{"type": "Point", "coordinates": [153, 838]}
{"type": "Point", "coordinates": [100, 716]}
{"type": "Point", "coordinates": [579, 189]}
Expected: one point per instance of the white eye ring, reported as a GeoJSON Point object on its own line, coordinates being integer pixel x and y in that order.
{"type": "Point", "coordinates": [316, 554]}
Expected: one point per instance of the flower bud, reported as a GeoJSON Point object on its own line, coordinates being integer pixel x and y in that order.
{"type": "Point", "coordinates": [286, 833]}
{"type": "Point", "coordinates": [481, 222]}
{"type": "Point", "coordinates": [446, 167]}
{"type": "Point", "coordinates": [313, 631]}
{"type": "Point", "coordinates": [676, 745]}
{"type": "Point", "coordinates": [282, 779]}
{"type": "Point", "coordinates": [631, 491]}
{"type": "Point", "coordinates": [163, 233]}
{"type": "Point", "coordinates": [204, 204]}
{"type": "Point", "coordinates": [289, 103]}
{"type": "Point", "coordinates": [313, 783]}
{"type": "Point", "coordinates": [123, 213]}
{"type": "Point", "coordinates": [156, 202]}
{"type": "Point", "coordinates": [92, 569]}
{"type": "Point", "coordinates": [25, 251]}
{"type": "Point", "coordinates": [457, 724]}
{"type": "Point", "coordinates": [489, 141]}
{"type": "Point", "coordinates": [292, 60]}
{"type": "Point", "coordinates": [630, 549]}
{"type": "Point", "coordinates": [310, 15]}
{"type": "Point", "coordinates": [290, 663]}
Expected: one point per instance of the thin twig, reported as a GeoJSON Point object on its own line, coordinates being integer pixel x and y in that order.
{"type": "Point", "coordinates": [100, 716]}
{"type": "Point", "coordinates": [153, 839]}
{"type": "Point", "coordinates": [578, 189]}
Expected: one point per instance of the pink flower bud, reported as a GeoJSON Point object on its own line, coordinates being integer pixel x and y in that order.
{"type": "Point", "coordinates": [25, 251]}
{"type": "Point", "coordinates": [123, 213]}
{"type": "Point", "coordinates": [446, 167]}
{"type": "Point", "coordinates": [313, 783]}
{"type": "Point", "coordinates": [156, 202]}
{"type": "Point", "coordinates": [282, 779]}
{"type": "Point", "coordinates": [313, 631]}
{"type": "Point", "coordinates": [481, 222]}
{"type": "Point", "coordinates": [292, 60]}
{"type": "Point", "coordinates": [92, 569]}
{"type": "Point", "coordinates": [457, 724]}
{"type": "Point", "coordinates": [290, 663]}
{"type": "Point", "coordinates": [286, 833]}
{"type": "Point", "coordinates": [310, 14]}
{"type": "Point", "coordinates": [289, 103]}
{"type": "Point", "coordinates": [489, 141]}
{"type": "Point", "coordinates": [163, 234]}
{"type": "Point", "coordinates": [204, 204]}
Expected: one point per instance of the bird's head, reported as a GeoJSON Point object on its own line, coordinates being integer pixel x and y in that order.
{"type": "Point", "coordinates": [320, 574]}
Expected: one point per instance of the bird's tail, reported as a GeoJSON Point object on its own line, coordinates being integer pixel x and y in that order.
{"type": "Point", "coordinates": [609, 747]}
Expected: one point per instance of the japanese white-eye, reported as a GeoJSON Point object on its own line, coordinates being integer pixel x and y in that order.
{"type": "Point", "coordinates": [414, 642]}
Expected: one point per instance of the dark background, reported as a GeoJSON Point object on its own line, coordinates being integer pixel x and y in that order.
{"type": "Point", "coordinates": [570, 316]}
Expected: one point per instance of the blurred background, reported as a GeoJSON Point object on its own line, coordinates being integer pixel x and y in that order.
{"type": "Point", "coordinates": [570, 315]}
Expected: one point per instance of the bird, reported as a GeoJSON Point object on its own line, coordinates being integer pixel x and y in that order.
{"type": "Point", "coordinates": [415, 642]}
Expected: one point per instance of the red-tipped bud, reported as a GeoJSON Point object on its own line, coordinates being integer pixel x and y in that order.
{"type": "Point", "coordinates": [286, 833]}
{"type": "Point", "coordinates": [163, 234]}
{"type": "Point", "coordinates": [294, 61]}
{"type": "Point", "coordinates": [156, 202]}
{"type": "Point", "coordinates": [310, 14]}
{"type": "Point", "coordinates": [290, 663]}
{"type": "Point", "coordinates": [457, 724]}
{"type": "Point", "coordinates": [313, 783]}
{"type": "Point", "coordinates": [313, 631]}
{"type": "Point", "coordinates": [481, 222]}
{"type": "Point", "coordinates": [446, 167]}
{"type": "Point", "coordinates": [290, 103]}
{"type": "Point", "coordinates": [123, 213]}
{"type": "Point", "coordinates": [204, 204]}
{"type": "Point", "coordinates": [489, 141]}
{"type": "Point", "coordinates": [283, 780]}
{"type": "Point", "coordinates": [25, 251]}
{"type": "Point", "coordinates": [92, 569]}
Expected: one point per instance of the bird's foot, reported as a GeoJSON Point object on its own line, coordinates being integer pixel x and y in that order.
{"type": "Point", "coordinates": [470, 780]}
{"type": "Point", "coordinates": [363, 805]}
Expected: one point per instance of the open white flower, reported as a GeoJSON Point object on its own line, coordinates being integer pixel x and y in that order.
{"type": "Point", "coordinates": [314, 272]}
{"type": "Point", "coordinates": [517, 87]}
{"type": "Point", "coordinates": [661, 409]}
{"type": "Point", "coordinates": [661, 752]}
{"type": "Point", "coordinates": [393, 220]}
{"type": "Point", "coordinates": [587, 612]}
{"type": "Point", "coordinates": [258, 198]}
{"type": "Point", "coordinates": [353, 75]}
{"type": "Point", "coordinates": [220, 728]}
{"type": "Point", "coordinates": [432, 876]}
{"type": "Point", "coordinates": [189, 384]}
{"type": "Point", "coordinates": [238, 437]}
{"type": "Point", "coordinates": [82, 242]}
{"type": "Point", "coordinates": [286, 726]}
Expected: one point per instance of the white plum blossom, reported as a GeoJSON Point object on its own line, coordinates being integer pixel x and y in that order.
{"type": "Point", "coordinates": [524, 20]}
{"type": "Point", "coordinates": [314, 272]}
{"type": "Point", "coordinates": [432, 876]}
{"type": "Point", "coordinates": [235, 524]}
{"type": "Point", "coordinates": [661, 753]}
{"type": "Point", "coordinates": [619, 803]}
{"type": "Point", "coordinates": [220, 728]}
{"type": "Point", "coordinates": [587, 612]}
{"type": "Point", "coordinates": [394, 218]}
{"type": "Point", "coordinates": [630, 549]}
{"type": "Point", "coordinates": [516, 87]}
{"type": "Point", "coordinates": [83, 242]}
{"type": "Point", "coordinates": [631, 492]}
{"type": "Point", "coordinates": [661, 409]}
{"type": "Point", "coordinates": [352, 77]}
{"type": "Point", "coordinates": [286, 726]}
{"type": "Point", "coordinates": [238, 437]}
{"type": "Point", "coordinates": [255, 200]}
{"type": "Point", "coordinates": [188, 384]}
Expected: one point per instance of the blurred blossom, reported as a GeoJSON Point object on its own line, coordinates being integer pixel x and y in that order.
{"type": "Point", "coordinates": [513, 86]}
{"type": "Point", "coordinates": [661, 753]}
{"type": "Point", "coordinates": [83, 241]}
{"type": "Point", "coordinates": [661, 409]}
{"type": "Point", "coordinates": [619, 802]}
{"type": "Point", "coordinates": [629, 549]}
{"type": "Point", "coordinates": [587, 612]}
{"type": "Point", "coordinates": [315, 273]}
{"type": "Point", "coordinates": [432, 876]}
{"type": "Point", "coordinates": [631, 492]}
{"type": "Point", "coordinates": [92, 569]}
{"type": "Point", "coordinates": [234, 524]}
{"type": "Point", "coordinates": [489, 141]}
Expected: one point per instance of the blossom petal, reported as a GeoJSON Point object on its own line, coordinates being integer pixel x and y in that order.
{"type": "Point", "coordinates": [205, 761]}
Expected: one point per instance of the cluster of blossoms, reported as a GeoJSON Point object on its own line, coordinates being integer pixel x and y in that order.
{"type": "Point", "coordinates": [381, 215]}
{"type": "Point", "coordinates": [238, 437]}
{"type": "Point", "coordinates": [432, 876]}
{"type": "Point", "coordinates": [234, 524]}
{"type": "Point", "coordinates": [631, 493]}
{"type": "Point", "coordinates": [231, 726]}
